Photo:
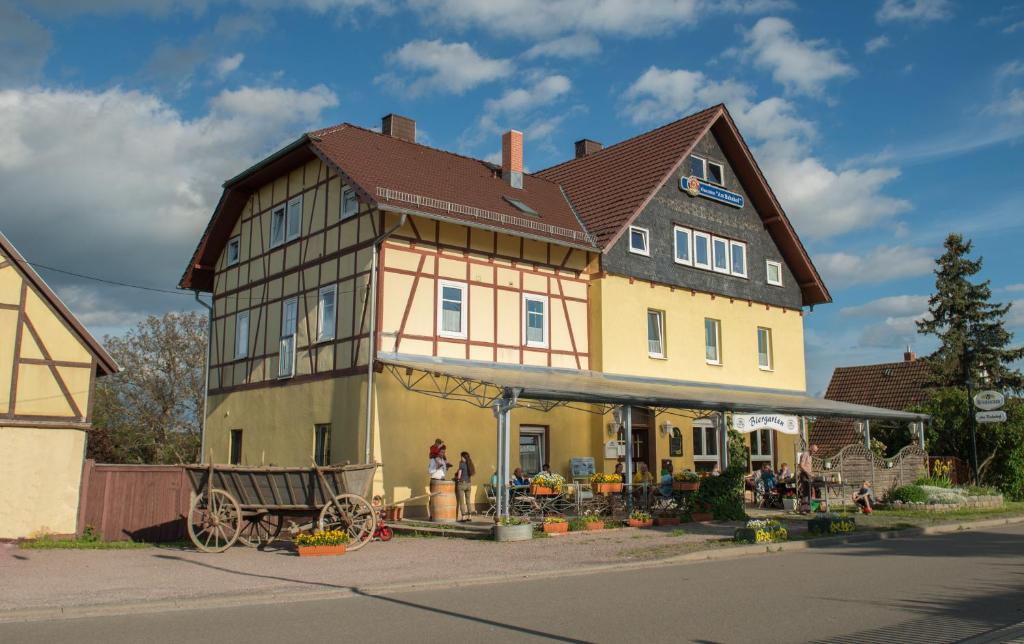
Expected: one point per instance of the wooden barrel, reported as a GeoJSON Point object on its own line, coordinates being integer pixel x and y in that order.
{"type": "Point", "coordinates": [442, 501]}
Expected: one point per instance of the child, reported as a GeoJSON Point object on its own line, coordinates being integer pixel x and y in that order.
{"type": "Point", "coordinates": [436, 448]}
{"type": "Point", "coordinates": [863, 497]}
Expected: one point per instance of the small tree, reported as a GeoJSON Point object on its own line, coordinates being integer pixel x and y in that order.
{"type": "Point", "coordinates": [151, 412]}
{"type": "Point", "coordinates": [968, 326]}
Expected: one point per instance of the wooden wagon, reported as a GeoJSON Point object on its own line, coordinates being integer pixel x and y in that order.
{"type": "Point", "coordinates": [250, 505]}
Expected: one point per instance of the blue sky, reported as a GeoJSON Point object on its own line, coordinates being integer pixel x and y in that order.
{"type": "Point", "coordinates": [881, 125]}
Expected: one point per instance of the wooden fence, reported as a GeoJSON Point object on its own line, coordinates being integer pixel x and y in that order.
{"type": "Point", "coordinates": [137, 502]}
{"type": "Point", "coordinates": [856, 464]}
{"type": "Point", "coordinates": [960, 470]}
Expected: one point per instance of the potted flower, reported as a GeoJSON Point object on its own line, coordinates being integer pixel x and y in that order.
{"type": "Point", "coordinates": [686, 481]}
{"type": "Point", "coordinates": [321, 543]}
{"type": "Point", "coordinates": [592, 520]}
{"type": "Point", "coordinates": [638, 519]}
{"type": "Point", "coordinates": [831, 524]}
{"type": "Point", "coordinates": [546, 484]}
{"type": "Point", "coordinates": [555, 525]}
{"type": "Point", "coordinates": [701, 512]}
{"type": "Point", "coordinates": [667, 519]}
{"type": "Point", "coordinates": [513, 529]}
{"type": "Point", "coordinates": [606, 483]}
{"type": "Point", "coordinates": [761, 531]}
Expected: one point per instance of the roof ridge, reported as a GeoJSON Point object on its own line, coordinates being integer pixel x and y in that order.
{"type": "Point", "coordinates": [602, 151]}
{"type": "Point", "coordinates": [886, 364]}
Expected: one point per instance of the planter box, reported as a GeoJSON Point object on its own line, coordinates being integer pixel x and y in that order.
{"type": "Point", "coordinates": [637, 523]}
{"type": "Point", "coordinates": [606, 488]}
{"type": "Point", "coordinates": [831, 525]}
{"type": "Point", "coordinates": [790, 503]}
{"type": "Point", "coordinates": [513, 532]}
{"type": "Point", "coordinates": [556, 528]}
{"type": "Point", "coordinates": [541, 490]}
{"type": "Point", "coordinates": [685, 486]}
{"type": "Point", "coordinates": [749, 535]}
{"type": "Point", "coordinates": [666, 521]}
{"type": "Point", "coordinates": [700, 516]}
{"type": "Point", "coordinates": [594, 525]}
{"type": "Point", "coordinates": [321, 551]}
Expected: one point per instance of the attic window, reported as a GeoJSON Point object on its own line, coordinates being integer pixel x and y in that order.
{"type": "Point", "coordinates": [521, 206]}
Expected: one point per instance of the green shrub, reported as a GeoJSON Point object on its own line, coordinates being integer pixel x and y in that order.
{"type": "Point", "coordinates": [935, 481]}
{"type": "Point", "coordinates": [979, 490]}
{"type": "Point", "coordinates": [722, 496]}
{"type": "Point", "coordinates": [576, 524]}
{"type": "Point", "coordinates": [909, 494]}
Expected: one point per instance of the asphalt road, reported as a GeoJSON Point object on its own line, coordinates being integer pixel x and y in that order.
{"type": "Point", "coordinates": [947, 588]}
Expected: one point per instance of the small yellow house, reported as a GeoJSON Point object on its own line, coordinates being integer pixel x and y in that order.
{"type": "Point", "coordinates": [48, 369]}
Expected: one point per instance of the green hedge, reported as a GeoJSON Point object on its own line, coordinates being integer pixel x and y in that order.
{"type": "Point", "coordinates": [909, 494]}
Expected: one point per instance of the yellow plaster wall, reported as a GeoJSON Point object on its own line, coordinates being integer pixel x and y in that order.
{"type": "Point", "coordinates": [40, 478]}
{"type": "Point", "coordinates": [621, 310]}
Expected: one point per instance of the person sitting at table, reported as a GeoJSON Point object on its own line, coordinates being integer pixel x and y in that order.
{"type": "Point", "coordinates": [665, 484]}
{"type": "Point", "coordinates": [767, 477]}
{"type": "Point", "coordinates": [620, 469]}
{"type": "Point", "coordinates": [519, 478]}
{"type": "Point", "coordinates": [864, 498]}
{"type": "Point", "coordinates": [643, 475]}
{"type": "Point", "coordinates": [784, 474]}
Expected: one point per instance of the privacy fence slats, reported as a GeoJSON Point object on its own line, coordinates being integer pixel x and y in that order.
{"type": "Point", "coordinates": [137, 502]}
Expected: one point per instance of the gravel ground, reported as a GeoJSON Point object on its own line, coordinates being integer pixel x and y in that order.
{"type": "Point", "coordinates": [52, 578]}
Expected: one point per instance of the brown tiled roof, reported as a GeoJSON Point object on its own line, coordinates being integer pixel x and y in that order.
{"type": "Point", "coordinates": [409, 175]}
{"type": "Point", "coordinates": [611, 187]}
{"type": "Point", "coordinates": [891, 385]}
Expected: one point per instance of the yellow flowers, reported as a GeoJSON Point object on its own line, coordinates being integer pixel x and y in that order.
{"type": "Point", "coordinates": [322, 538]}
{"type": "Point", "coordinates": [838, 526]}
{"type": "Point", "coordinates": [605, 478]}
{"type": "Point", "coordinates": [549, 520]}
{"type": "Point", "coordinates": [762, 531]}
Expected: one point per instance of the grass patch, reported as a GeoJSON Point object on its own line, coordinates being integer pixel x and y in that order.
{"type": "Point", "coordinates": [51, 543]}
{"type": "Point", "coordinates": [678, 532]}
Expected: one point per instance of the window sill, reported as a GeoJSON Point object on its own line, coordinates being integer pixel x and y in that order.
{"type": "Point", "coordinates": [324, 340]}
{"type": "Point", "coordinates": [713, 363]}
{"type": "Point", "coordinates": [774, 284]}
{"type": "Point", "coordinates": [640, 252]}
{"type": "Point", "coordinates": [452, 336]}
{"type": "Point", "coordinates": [653, 356]}
{"type": "Point", "coordinates": [535, 346]}
{"type": "Point", "coordinates": [766, 369]}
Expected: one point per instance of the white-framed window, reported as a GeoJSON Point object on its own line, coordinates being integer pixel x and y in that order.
{"type": "Point", "coordinates": [698, 167]}
{"type": "Point", "coordinates": [639, 241]}
{"type": "Point", "coordinates": [738, 258]}
{"type": "Point", "coordinates": [701, 250]}
{"type": "Point", "coordinates": [712, 341]}
{"type": "Point", "coordinates": [234, 250]}
{"type": "Point", "coordinates": [241, 334]}
{"type": "Point", "coordinates": [349, 202]}
{"type": "Point", "coordinates": [286, 351]}
{"type": "Point", "coordinates": [764, 348]}
{"type": "Point", "coordinates": [322, 444]}
{"type": "Point", "coordinates": [720, 255]}
{"type": "Point", "coordinates": [705, 441]}
{"type": "Point", "coordinates": [535, 320]}
{"type": "Point", "coordinates": [655, 333]}
{"type": "Point", "coordinates": [715, 173]}
{"type": "Point", "coordinates": [774, 271]}
{"type": "Point", "coordinates": [326, 313]}
{"type": "Point", "coordinates": [532, 444]}
{"type": "Point", "coordinates": [451, 309]}
{"type": "Point", "coordinates": [683, 245]}
{"type": "Point", "coordinates": [761, 444]}
{"type": "Point", "coordinates": [294, 226]}
{"type": "Point", "coordinates": [278, 219]}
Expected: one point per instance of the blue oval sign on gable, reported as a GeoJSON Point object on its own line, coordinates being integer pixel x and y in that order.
{"type": "Point", "coordinates": [695, 187]}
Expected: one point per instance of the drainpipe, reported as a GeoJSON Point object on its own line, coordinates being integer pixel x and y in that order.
{"type": "Point", "coordinates": [368, 431]}
{"type": "Point", "coordinates": [206, 374]}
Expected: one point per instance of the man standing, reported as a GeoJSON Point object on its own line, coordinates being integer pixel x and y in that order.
{"type": "Point", "coordinates": [807, 474]}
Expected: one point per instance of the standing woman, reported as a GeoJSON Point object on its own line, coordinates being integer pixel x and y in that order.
{"type": "Point", "coordinates": [463, 484]}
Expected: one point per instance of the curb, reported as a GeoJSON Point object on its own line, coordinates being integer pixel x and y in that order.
{"type": "Point", "coordinates": [291, 596]}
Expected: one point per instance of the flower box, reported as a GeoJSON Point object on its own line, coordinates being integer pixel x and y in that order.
{"type": "Point", "coordinates": [639, 523]}
{"type": "Point", "coordinates": [685, 486]}
{"type": "Point", "coordinates": [594, 525]}
{"type": "Point", "coordinates": [700, 516]}
{"type": "Point", "coordinates": [606, 488]}
{"type": "Point", "coordinates": [541, 490]}
{"type": "Point", "coordinates": [666, 521]}
{"type": "Point", "coordinates": [321, 551]}
{"type": "Point", "coordinates": [831, 525]}
{"type": "Point", "coordinates": [556, 528]}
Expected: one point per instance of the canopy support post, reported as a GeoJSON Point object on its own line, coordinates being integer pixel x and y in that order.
{"type": "Point", "coordinates": [723, 441]}
{"type": "Point", "coordinates": [867, 434]}
{"type": "Point", "coordinates": [503, 414]}
{"type": "Point", "coordinates": [627, 422]}
{"type": "Point", "coordinates": [920, 432]}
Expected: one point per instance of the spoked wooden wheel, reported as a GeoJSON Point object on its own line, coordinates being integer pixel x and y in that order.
{"type": "Point", "coordinates": [214, 523]}
{"type": "Point", "coordinates": [356, 517]}
{"type": "Point", "coordinates": [260, 529]}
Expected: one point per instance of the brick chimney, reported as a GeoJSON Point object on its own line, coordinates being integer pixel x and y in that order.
{"type": "Point", "coordinates": [908, 355]}
{"type": "Point", "coordinates": [586, 147]}
{"type": "Point", "coordinates": [399, 127]}
{"type": "Point", "coordinates": [512, 158]}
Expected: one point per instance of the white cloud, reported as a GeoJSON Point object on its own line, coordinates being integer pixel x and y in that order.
{"type": "Point", "coordinates": [892, 332]}
{"type": "Point", "coordinates": [667, 94]}
{"type": "Point", "coordinates": [447, 67]}
{"type": "Point", "coordinates": [66, 8]}
{"type": "Point", "coordinates": [521, 105]}
{"type": "Point", "coordinates": [1015, 317]}
{"type": "Point", "coordinates": [1009, 99]}
{"type": "Point", "coordinates": [881, 264]}
{"type": "Point", "coordinates": [893, 305]}
{"type": "Point", "coordinates": [138, 179]}
{"type": "Point", "coordinates": [1014, 288]}
{"type": "Point", "coordinates": [801, 66]}
{"type": "Point", "coordinates": [544, 91]}
{"type": "Point", "coordinates": [914, 10]}
{"type": "Point", "coordinates": [1009, 29]}
{"type": "Point", "coordinates": [228, 64]}
{"type": "Point", "coordinates": [24, 46]}
{"type": "Point", "coordinates": [574, 46]}
{"type": "Point", "coordinates": [876, 44]}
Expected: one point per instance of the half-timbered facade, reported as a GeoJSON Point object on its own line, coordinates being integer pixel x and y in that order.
{"type": "Point", "coordinates": [351, 243]}
{"type": "Point", "coordinates": [48, 369]}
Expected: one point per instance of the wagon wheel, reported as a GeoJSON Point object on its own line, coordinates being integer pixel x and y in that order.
{"type": "Point", "coordinates": [214, 525]}
{"type": "Point", "coordinates": [260, 529]}
{"type": "Point", "coordinates": [356, 517]}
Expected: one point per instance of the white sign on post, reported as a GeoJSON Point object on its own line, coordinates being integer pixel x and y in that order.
{"type": "Point", "coordinates": [989, 400]}
{"type": "Point", "coordinates": [990, 416]}
{"type": "Point", "coordinates": [746, 423]}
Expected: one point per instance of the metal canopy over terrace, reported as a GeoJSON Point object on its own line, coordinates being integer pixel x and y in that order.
{"type": "Point", "coordinates": [504, 386]}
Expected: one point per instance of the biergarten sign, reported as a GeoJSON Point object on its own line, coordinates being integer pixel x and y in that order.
{"type": "Point", "coordinates": [989, 400]}
{"type": "Point", "coordinates": [990, 416]}
{"type": "Point", "coordinates": [746, 423]}
{"type": "Point", "coordinates": [695, 187]}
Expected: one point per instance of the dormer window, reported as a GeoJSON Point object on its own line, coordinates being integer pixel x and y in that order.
{"type": "Point", "coordinates": [639, 241]}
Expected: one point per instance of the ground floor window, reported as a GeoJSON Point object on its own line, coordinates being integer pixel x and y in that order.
{"type": "Point", "coordinates": [532, 448]}
{"type": "Point", "coordinates": [761, 448]}
{"type": "Point", "coordinates": [322, 444]}
{"type": "Point", "coordinates": [705, 445]}
{"type": "Point", "coordinates": [235, 447]}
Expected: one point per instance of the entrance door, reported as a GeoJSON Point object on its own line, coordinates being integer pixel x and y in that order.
{"type": "Point", "coordinates": [643, 446]}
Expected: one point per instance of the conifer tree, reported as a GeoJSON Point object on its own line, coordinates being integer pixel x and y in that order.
{"type": "Point", "coordinates": [969, 326]}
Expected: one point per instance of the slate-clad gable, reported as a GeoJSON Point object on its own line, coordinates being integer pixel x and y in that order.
{"type": "Point", "coordinates": [672, 206]}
